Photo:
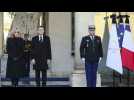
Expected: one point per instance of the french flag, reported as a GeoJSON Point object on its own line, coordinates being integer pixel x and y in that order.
{"type": "Point", "coordinates": [127, 52]}
{"type": "Point", "coordinates": [113, 55]}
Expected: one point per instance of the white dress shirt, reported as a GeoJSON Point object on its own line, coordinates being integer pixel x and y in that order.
{"type": "Point", "coordinates": [40, 37]}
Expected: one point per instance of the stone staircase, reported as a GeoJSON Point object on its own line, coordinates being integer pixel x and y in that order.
{"type": "Point", "coordinates": [51, 82]}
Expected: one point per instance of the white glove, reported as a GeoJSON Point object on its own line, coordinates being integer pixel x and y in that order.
{"type": "Point", "coordinates": [33, 61]}
{"type": "Point", "coordinates": [49, 63]}
{"type": "Point", "coordinates": [100, 60]}
{"type": "Point", "coordinates": [83, 60]}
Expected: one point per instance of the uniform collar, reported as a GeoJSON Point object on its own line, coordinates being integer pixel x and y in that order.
{"type": "Point", "coordinates": [92, 36]}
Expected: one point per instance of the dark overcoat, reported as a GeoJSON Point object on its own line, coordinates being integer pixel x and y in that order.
{"type": "Point", "coordinates": [15, 62]}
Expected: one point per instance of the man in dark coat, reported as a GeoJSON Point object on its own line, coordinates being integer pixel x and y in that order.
{"type": "Point", "coordinates": [91, 52]}
{"type": "Point", "coordinates": [15, 63]}
{"type": "Point", "coordinates": [41, 54]}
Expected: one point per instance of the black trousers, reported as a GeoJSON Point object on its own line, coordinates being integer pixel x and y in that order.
{"type": "Point", "coordinates": [38, 78]}
{"type": "Point", "coordinates": [27, 63]}
{"type": "Point", "coordinates": [14, 82]}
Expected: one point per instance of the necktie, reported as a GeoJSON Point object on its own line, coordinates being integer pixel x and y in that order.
{"type": "Point", "coordinates": [93, 43]}
{"type": "Point", "coordinates": [41, 38]}
{"type": "Point", "coordinates": [92, 38]}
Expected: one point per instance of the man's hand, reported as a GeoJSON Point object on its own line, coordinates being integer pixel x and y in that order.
{"type": "Point", "coordinates": [83, 60]}
{"type": "Point", "coordinates": [49, 63]}
{"type": "Point", "coordinates": [33, 61]}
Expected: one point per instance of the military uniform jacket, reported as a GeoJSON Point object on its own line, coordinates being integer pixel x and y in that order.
{"type": "Point", "coordinates": [91, 49]}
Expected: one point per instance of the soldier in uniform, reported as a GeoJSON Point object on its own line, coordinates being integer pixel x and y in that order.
{"type": "Point", "coordinates": [41, 55]}
{"type": "Point", "coordinates": [91, 51]}
{"type": "Point", "coordinates": [27, 55]}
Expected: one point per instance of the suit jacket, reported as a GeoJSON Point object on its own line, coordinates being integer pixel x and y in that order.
{"type": "Point", "coordinates": [90, 49]}
{"type": "Point", "coordinates": [41, 52]}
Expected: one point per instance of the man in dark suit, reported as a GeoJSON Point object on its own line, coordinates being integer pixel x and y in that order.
{"type": "Point", "coordinates": [91, 51]}
{"type": "Point", "coordinates": [41, 54]}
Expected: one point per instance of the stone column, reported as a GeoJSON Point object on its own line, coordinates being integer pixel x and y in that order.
{"type": "Point", "coordinates": [1, 33]}
{"type": "Point", "coordinates": [60, 35]}
{"type": "Point", "coordinates": [1, 40]}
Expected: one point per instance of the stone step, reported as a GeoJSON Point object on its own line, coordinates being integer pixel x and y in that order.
{"type": "Point", "coordinates": [48, 79]}
{"type": "Point", "coordinates": [51, 82]}
{"type": "Point", "coordinates": [33, 84]}
{"type": "Point", "coordinates": [78, 79]}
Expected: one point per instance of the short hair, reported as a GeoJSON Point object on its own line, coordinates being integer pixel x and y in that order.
{"type": "Point", "coordinates": [26, 35]}
{"type": "Point", "coordinates": [41, 27]}
{"type": "Point", "coordinates": [17, 32]}
{"type": "Point", "coordinates": [91, 27]}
